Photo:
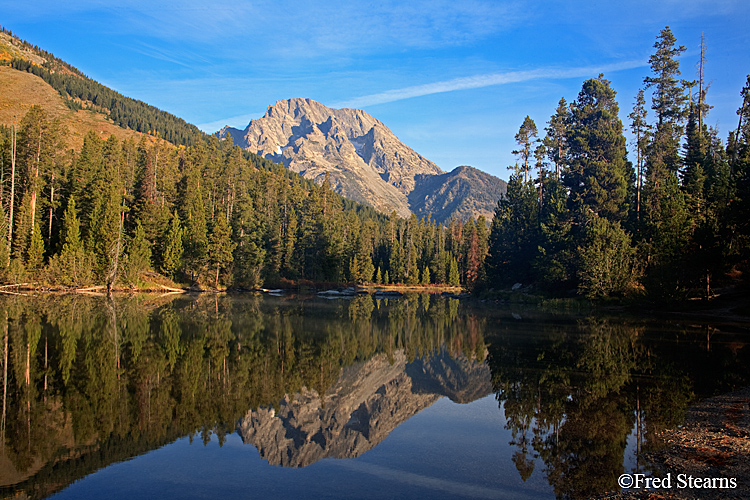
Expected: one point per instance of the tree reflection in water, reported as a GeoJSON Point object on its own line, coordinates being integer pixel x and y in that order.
{"type": "Point", "coordinates": [577, 390]}
{"type": "Point", "coordinates": [89, 381]}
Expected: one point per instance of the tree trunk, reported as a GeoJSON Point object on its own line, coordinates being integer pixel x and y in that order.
{"type": "Point", "coordinates": [11, 201]}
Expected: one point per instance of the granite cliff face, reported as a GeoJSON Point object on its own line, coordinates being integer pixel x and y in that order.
{"type": "Point", "coordinates": [365, 404]}
{"type": "Point", "coordinates": [365, 161]}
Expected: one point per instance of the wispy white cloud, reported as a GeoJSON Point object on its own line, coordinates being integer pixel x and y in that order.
{"type": "Point", "coordinates": [479, 81]}
{"type": "Point", "coordinates": [298, 29]}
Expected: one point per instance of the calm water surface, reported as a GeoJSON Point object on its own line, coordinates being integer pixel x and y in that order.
{"type": "Point", "coordinates": [302, 397]}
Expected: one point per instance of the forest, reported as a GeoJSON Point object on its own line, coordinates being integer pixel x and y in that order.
{"type": "Point", "coordinates": [578, 216]}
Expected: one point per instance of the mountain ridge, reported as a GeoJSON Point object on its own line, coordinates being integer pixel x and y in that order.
{"type": "Point", "coordinates": [364, 161]}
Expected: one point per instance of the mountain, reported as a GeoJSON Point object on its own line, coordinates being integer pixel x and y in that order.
{"type": "Point", "coordinates": [365, 161]}
{"type": "Point", "coordinates": [366, 403]}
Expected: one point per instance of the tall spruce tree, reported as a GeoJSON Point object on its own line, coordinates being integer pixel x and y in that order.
{"type": "Point", "coordinates": [525, 139]}
{"type": "Point", "coordinates": [514, 233]}
{"type": "Point", "coordinates": [598, 170]}
{"type": "Point", "coordinates": [556, 140]}
{"type": "Point", "coordinates": [641, 130]}
{"type": "Point", "coordinates": [665, 224]}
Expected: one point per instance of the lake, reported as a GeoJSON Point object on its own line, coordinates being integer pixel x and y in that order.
{"type": "Point", "coordinates": [420, 396]}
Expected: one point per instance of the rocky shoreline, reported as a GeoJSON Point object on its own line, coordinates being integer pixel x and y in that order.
{"type": "Point", "coordinates": [714, 442]}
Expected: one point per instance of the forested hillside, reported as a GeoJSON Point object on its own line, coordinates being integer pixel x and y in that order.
{"type": "Point", "coordinates": [673, 220]}
{"type": "Point", "coordinates": [79, 91]}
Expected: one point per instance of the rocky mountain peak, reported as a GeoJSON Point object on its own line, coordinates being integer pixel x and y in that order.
{"type": "Point", "coordinates": [364, 159]}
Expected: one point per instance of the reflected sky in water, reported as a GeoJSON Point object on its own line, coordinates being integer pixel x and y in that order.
{"type": "Point", "coordinates": [448, 450]}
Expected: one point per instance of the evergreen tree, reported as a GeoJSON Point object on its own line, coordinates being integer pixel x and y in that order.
{"type": "Point", "coordinates": [598, 170]}
{"type": "Point", "coordinates": [556, 140]}
{"type": "Point", "coordinates": [553, 265]}
{"type": "Point", "coordinates": [669, 97]}
{"type": "Point", "coordinates": [425, 276]}
{"type": "Point", "coordinates": [35, 254]}
{"type": "Point", "coordinates": [220, 247]}
{"type": "Point", "coordinates": [454, 278]}
{"type": "Point", "coordinates": [605, 259]}
{"type": "Point", "coordinates": [514, 234]}
{"type": "Point", "coordinates": [72, 266]}
{"type": "Point", "coordinates": [138, 254]}
{"type": "Point", "coordinates": [525, 138]}
{"type": "Point", "coordinates": [171, 258]}
{"type": "Point", "coordinates": [666, 224]}
{"type": "Point", "coordinates": [641, 130]}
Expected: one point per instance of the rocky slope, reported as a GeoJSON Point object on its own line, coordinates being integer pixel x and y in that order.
{"type": "Point", "coordinates": [465, 192]}
{"type": "Point", "coordinates": [365, 161]}
{"type": "Point", "coordinates": [365, 404]}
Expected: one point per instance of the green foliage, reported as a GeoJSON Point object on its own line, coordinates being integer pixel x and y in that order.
{"type": "Point", "coordinates": [514, 234]}
{"type": "Point", "coordinates": [35, 253]}
{"type": "Point", "coordinates": [525, 138]}
{"type": "Point", "coordinates": [220, 247]}
{"type": "Point", "coordinates": [172, 255]}
{"type": "Point", "coordinates": [138, 255]}
{"type": "Point", "coordinates": [454, 278]}
{"type": "Point", "coordinates": [605, 259]}
{"type": "Point", "coordinates": [598, 171]}
{"type": "Point", "coordinates": [72, 266]}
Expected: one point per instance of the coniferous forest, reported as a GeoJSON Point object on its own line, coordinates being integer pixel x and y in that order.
{"type": "Point", "coordinates": [668, 221]}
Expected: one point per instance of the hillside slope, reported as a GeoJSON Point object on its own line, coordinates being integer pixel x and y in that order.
{"type": "Point", "coordinates": [462, 193]}
{"type": "Point", "coordinates": [20, 90]}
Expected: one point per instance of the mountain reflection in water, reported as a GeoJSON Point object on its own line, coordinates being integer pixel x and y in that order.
{"type": "Point", "coordinates": [89, 382]}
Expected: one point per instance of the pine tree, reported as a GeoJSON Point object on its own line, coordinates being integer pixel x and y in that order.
{"type": "Point", "coordinates": [669, 97]}
{"type": "Point", "coordinates": [556, 140]}
{"type": "Point", "coordinates": [514, 234]}
{"type": "Point", "coordinates": [171, 258]}
{"type": "Point", "coordinates": [72, 265]}
{"type": "Point", "coordinates": [666, 223]}
{"type": "Point", "coordinates": [553, 267]}
{"type": "Point", "coordinates": [35, 253]}
{"type": "Point", "coordinates": [138, 254]}
{"type": "Point", "coordinates": [598, 170]}
{"type": "Point", "coordinates": [220, 247]}
{"type": "Point", "coordinates": [425, 276]}
{"type": "Point", "coordinates": [525, 138]}
{"type": "Point", "coordinates": [454, 278]}
{"type": "Point", "coordinates": [641, 130]}
{"type": "Point", "coordinates": [605, 259]}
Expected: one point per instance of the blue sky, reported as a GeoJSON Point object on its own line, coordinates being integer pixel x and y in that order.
{"type": "Point", "coordinates": [454, 80]}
